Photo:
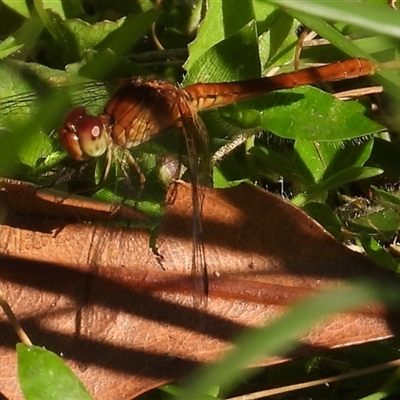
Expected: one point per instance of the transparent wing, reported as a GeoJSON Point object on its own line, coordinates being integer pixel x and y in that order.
{"type": "Point", "coordinates": [196, 139]}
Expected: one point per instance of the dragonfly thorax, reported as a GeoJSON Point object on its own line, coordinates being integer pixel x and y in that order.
{"type": "Point", "coordinates": [141, 109]}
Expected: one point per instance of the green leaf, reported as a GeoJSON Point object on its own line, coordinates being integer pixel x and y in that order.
{"type": "Point", "coordinates": [28, 119]}
{"type": "Point", "coordinates": [129, 32]}
{"type": "Point", "coordinates": [390, 197]}
{"type": "Point", "coordinates": [54, 24]}
{"type": "Point", "coordinates": [220, 62]}
{"type": "Point", "coordinates": [307, 113]}
{"type": "Point", "coordinates": [382, 223]}
{"type": "Point", "coordinates": [64, 9]}
{"type": "Point", "coordinates": [24, 37]}
{"type": "Point", "coordinates": [270, 160]}
{"type": "Point", "coordinates": [315, 156]}
{"type": "Point", "coordinates": [378, 254]}
{"type": "Point", "coordinates": [350, 153]}
{"type": "Point", "coordinates": [386, 155]}
{"type": "Point", "coordinates": [108, 55]}
{"type": "Point", "coordinates": [221, 21]}
{"type": "Point", "coordinates": [277, 39]}
{"type": "Point", "coordinates": [325, 159]}
{"type": "Point", "coordinates": [323, 214]}
{"type": "Point", "coordinates": [88, 36]}
{"type": "Point", "coordinates": [43, 375]}
{"type": "Point", "coordinates": [339, 179]}
{"type": "Point", "coordinates": [19, 6]}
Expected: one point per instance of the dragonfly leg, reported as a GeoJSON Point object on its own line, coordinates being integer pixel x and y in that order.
{"type": "Point", "coordinates": [128, 159]}
{"type": "Point", "coordinates": [107, 167]}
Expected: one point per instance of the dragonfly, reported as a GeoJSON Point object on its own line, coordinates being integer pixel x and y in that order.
{"type": "Point", "coordinates": [141, 109]}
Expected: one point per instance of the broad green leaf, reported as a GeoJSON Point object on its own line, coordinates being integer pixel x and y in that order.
{"type": "Point", "coordinates": [386, 155]}
{"type": "Point", "coordinates": [31, 111]}
{"type": "Point", "coordinates": [221, 21]}
{"type": "Point", "coordinates": [324, 159]}
{"type": "Point", "coordinates": [18, 77]}
{"type": "Point", "coordinates": [87, 36]}
{"type": "Point", "coordinates": [109, 55]}
{"type": "Point", "coordinates": [339, 179]}
{"type": "Point", "coordinates": [219, 180]}
{"type": "Point", "coordinates": [44, 375]}
{"type": "Point", "coordinates": [54, 24]}
{"type": "Point", "coordinates": [220, 62]}
{"type": "Point", "coordinates": [315, 156]}
{"type": "Point", "coordinates": [58, 6]}
{"type": "Point", "coordinates": [121, 40]}
{"type": "Point", "coordinates": [19, 6]}
{"type": "Point", "coordinates": [22, 87]}
{"type": "Point", "coordinates": [270, 160]}
{"type": "Point", "coordinates": [390, 197]}
{"type": "Point", "coordinates": [378, 254]}
{"type": "Point", "coordinates": [23, 38]}
{"type": "Point", "coordinates": [351, 153]}
{"type": "Point", "coordinates": [65, 9]}
{"type": "Point", "coordinates": [382, 223]}
{"type": "Point", "coordinates": [323, 214]}
{"type": "Point", "coordinates": [307, 113]}
{"type": "Point", "coordinates": [278, 39]}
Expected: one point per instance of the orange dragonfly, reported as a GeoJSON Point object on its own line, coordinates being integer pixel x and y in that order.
{"type": "Point", "coordinates": [141, 109]}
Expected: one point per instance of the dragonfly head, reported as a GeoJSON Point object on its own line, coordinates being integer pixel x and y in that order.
{"type": "Point", "coordinates": [82, 135]}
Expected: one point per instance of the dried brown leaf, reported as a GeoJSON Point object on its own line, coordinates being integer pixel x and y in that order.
{"type": "Point", "coordinates": [141, 329]}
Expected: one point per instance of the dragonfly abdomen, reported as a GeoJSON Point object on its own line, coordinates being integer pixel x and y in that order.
{"type": "Point", "coordinates": [210, 95]}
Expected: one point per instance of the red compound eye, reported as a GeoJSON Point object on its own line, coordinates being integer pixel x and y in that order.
{"type": "Point", "coordinates": [83, 135]}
